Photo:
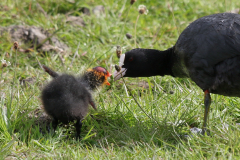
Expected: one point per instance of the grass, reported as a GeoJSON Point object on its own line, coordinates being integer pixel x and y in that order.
{"type": "Point", "coordinates": [119, 129]}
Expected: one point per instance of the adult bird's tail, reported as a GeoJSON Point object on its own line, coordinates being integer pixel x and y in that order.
{"type": "Point", "coordinates": [50, 72]}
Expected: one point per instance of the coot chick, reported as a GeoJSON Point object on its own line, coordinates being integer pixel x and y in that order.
{"type": "Point", "coordinates": [66, 98]}
{"type": "Point", "coordinates": [207, 51]}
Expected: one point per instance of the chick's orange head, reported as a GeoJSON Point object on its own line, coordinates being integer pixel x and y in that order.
{"type": "Point", "coordinates": [101, 73]}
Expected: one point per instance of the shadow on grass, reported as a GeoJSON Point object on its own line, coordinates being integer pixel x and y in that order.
{"type": "Point", "coordinates": [104, 128]}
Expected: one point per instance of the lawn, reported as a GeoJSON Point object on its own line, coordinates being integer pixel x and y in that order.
{"type": "Point", "coordinates": [119, 129]}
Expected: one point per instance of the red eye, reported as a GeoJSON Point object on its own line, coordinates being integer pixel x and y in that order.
{"type": "Point", "coordinates": [131, 59]}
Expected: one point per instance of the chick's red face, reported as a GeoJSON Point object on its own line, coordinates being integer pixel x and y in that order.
{"type": "Point", "coordinates": [102, 70]}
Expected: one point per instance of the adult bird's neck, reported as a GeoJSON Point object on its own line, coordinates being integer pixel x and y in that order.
{"type": "Point", "coordinates": [159, 62]}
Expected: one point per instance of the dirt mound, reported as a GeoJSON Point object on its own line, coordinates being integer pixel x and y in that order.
{"type": "Point", "coordinates": [35, 37]}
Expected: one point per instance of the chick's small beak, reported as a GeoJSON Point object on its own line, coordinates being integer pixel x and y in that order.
{"type": "Point", "coordinates": [109, 74]}
{"type": "Point", "coordinates": [106, 77]}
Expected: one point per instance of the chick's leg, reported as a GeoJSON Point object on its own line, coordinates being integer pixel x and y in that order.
{"type": "Point", "coordinates": [78, 126]}
{"type": "Point", "coordinates": [54, 124]}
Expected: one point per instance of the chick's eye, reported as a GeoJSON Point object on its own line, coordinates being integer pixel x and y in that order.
{"type": "Point", "coordinates": [130, 59]}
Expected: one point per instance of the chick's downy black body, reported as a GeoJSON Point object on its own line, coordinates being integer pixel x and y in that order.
{"type": "Point", "coordinates": [207, 51]}
{"type": "Point", "coordinates": [67, 98]}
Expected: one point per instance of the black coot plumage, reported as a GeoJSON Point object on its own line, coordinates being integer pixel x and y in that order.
{"type": "Point", "coordinates": [66, 98]}
{"type": "Point", "coordinates": [207, 51]}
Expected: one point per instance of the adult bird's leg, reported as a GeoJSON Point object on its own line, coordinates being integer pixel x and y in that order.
{"type": "Point", "coordinates": [78, 126]}
{"type": "Point", "coordinates": [207, 103]}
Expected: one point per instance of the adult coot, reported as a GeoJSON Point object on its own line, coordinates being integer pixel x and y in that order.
{"type": "Point", "coordinates": [207, 51]}
{"type": "Point", "coordinates": [66, 98]}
